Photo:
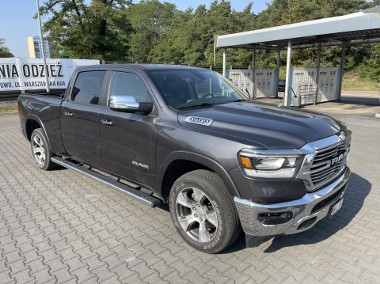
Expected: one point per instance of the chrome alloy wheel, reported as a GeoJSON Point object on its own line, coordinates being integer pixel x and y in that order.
{"type": "Point", "coordinates": [38, 147]}
{"type": "Point", "coordinates": [196, 215]}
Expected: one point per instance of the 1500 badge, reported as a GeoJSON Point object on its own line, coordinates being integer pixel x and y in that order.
{"type": "Point", "coordinates": [199, 120]}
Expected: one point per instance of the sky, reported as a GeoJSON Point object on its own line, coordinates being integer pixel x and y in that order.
{"type": "Point", "coordinates": [17, 21]}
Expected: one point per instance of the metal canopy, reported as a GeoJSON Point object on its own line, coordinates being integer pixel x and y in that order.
{"type": "Point", "coordinates": [360, 27]}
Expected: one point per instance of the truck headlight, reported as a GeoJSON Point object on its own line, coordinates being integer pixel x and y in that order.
{"type": "Point", "coordinates": [269, 165]}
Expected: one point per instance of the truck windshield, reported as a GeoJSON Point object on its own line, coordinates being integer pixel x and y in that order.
{"type": "Point", "coordinates": [183, 88]}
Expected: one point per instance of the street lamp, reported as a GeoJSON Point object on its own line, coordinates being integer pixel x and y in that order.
{"type": "Point", "coordinates": [42, 47]}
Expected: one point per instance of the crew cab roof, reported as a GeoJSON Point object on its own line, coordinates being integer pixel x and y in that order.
{"type": "Point", "coordinates": [143, 67]}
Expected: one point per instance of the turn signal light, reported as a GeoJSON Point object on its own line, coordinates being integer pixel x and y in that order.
{"type": "Point", "coordinates": [246, 162]}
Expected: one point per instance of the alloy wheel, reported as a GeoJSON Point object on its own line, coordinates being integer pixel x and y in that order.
{"type": "Point", "coordinates": [196, 215]}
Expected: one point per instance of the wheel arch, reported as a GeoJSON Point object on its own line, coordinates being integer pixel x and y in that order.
{"type": "Point", "coordinates": [179, 163]}
{"type": "Point", "coordinates": [31, 123]}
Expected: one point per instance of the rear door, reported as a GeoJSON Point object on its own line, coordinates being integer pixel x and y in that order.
{"type": "Point", "coordinates": [128, 140]}
{"type": "Point", "coordinates": [80, 117]}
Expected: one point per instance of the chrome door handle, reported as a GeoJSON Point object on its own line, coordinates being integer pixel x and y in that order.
{"type": "Point", "coordinates": [68, 113]}
{"type": "Point", "coordinates": [106, 122]}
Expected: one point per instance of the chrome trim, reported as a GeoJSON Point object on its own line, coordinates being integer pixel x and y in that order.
{"type": "Point", "coordinates": [312, 149]}
{"type": "Point", "coordinates": [301, 208]}
{"type": "Point", "coordinates": [309, 151]}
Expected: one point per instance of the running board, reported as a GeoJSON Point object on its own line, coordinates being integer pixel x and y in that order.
{"type": "Point", "coordinates": [129, 191]}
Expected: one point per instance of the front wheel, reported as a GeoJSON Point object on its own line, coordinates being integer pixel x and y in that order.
{"type": "Point", "coordinates": [203, 212]}
{"type": "Point", "coordinates": [40, 150]}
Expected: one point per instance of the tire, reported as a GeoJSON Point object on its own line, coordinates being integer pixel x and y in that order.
{"type": "Point", "coordinates": [203, 211]}
{"type": "Point", "coordinates": [41, 150]}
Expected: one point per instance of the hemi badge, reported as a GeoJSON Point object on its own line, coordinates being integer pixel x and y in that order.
{"type": "Point", "coordinates": [199, 120]}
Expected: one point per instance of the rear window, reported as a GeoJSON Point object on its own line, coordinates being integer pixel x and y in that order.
{"type": "Point", "coordinates": [87, 87]}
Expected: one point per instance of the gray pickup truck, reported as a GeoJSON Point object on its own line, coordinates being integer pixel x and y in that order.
{"type": "Point", "coordinates": [187, 138]}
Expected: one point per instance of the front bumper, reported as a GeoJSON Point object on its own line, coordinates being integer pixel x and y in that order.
{"type": "Point", "coordinates": [306, 211]}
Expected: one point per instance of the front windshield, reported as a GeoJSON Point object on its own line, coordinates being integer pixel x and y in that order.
{"type": "Point", "coordinates": [182, 88]}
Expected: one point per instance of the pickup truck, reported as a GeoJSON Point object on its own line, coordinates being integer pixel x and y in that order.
{"type": "Point", "coordinates": [186, 139]}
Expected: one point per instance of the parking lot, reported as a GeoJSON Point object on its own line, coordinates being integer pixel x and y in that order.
{"type": "Point", "coordinates": [62, 227]}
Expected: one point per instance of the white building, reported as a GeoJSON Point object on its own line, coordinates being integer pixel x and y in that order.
{"type": "Point", "coordinates": [35, 47]}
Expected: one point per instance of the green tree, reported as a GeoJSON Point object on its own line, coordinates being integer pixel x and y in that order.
{"type": "Point", "coordinates": [98, 30]}
{"type": "Point", "coordinates": [190, 36]}
{"type": "Point", "coordinates": [4, 51]}
{"type": "Point", "coordinates": [171, 46]}
{"type": "Point", "coordinates": [150, 19]}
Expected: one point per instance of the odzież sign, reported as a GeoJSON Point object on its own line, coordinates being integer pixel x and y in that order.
{"type": "Point", "coordinates": [29, 74]}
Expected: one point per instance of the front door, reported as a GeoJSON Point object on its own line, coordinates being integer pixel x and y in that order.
{"type": "Point", "coordinates": [80, 118]}
{"type": "Point", "coordinates": [128, 140]}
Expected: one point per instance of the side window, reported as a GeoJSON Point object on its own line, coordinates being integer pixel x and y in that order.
{"type": "Point", "coordinates": [128, 85]}
{"type": "Point", "coordinates": [87, 87]}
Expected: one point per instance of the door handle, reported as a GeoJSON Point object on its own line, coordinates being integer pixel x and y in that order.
{"type": "Point", "coordinates": [68, 113]}
{"type": "Point", "coordinates": [106, 122]}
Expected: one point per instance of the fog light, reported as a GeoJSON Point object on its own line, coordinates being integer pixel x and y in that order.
{"type": "Point", "coordinates": [275, 218]}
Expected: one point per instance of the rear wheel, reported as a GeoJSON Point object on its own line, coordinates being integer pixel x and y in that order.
{"type": "Point", "coordinates": [40, 150]}
{"type": "Point", "coordinates": [203, 212]}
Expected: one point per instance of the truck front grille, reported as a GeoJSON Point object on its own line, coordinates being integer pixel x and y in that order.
{"type": "Point", "coordinates": [329, 162]}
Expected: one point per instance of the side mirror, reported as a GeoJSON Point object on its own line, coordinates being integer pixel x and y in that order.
{"type": "Point", "coordinates": [129, 104]}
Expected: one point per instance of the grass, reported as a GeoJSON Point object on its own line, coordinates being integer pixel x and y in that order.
{"type": "Point", "coordinates": [353, 82]}
{"type": "Point", "coordinates": [5, 109]}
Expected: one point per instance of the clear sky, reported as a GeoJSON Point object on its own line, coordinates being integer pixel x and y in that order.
{"type": "Point", "coordinates": [17, 21]}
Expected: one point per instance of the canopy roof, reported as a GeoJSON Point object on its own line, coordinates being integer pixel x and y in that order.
{"type": "Point", "coordinates": [355, 28]}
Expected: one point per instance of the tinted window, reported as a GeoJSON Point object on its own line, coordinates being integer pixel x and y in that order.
{"type": "Point", "coordinates": [87, 87]}
{"type": "Point", "coordinates": [128, 84]}
{"type": "Point", "coordinates": [188, 87]}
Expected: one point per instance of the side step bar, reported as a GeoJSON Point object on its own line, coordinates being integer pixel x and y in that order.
{"type": "Point", "coordinates": [129, 191]}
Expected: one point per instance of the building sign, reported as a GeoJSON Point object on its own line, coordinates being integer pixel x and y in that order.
{"type": "Point", "coordinates": [17, 74]}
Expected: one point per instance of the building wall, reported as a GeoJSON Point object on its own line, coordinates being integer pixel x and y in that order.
{"type": "Point", "coordinates": [35, 48]}
{"type": "Point", "coordinates": [32, 52]}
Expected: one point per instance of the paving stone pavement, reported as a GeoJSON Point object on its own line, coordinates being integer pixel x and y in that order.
{"type": "Point", "coordinates": [62, 227]}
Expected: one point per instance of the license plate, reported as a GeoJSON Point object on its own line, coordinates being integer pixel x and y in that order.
{"type": "Point", "coordinates": [335, 208]}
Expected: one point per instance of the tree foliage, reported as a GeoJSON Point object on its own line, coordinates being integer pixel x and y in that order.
{"type": "Point", "coordinates": [156, 32]}
{"type": "Point", "coordinates": [79, 30]}
{"type": "Point", "coordinates": [4, 51]}
{"type": "Point", "coordinates": [149, 20]}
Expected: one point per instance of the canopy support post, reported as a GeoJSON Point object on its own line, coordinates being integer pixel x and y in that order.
{"type": "Point", "coordinates": [317, 75]}
{"type": "Point", "coordinates": [288, 65]}
{"type": "Point", "coordinates": [278, 63]}
{"type": "Point", "coordinates": [253, 73]}
{"type": "Point", "coordinates": [224, 63]}
{"type": "Point", "coordinates": [342, 62]}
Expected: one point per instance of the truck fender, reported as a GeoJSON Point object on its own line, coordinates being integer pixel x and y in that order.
{"type": "Point", "coordinates": [35, 118]}
{"type": "Point", "coordinates": [199, 159]}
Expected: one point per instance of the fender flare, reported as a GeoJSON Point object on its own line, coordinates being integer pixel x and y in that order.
{"type": "Point", "coordinates": [200, 159]}
{"type": "Point", "coordinates": [38, 120]}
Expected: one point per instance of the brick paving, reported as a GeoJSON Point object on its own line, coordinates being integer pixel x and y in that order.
{"type": "Point", "coordinates": [62, 227]}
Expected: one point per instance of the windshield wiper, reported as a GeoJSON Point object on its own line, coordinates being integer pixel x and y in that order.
{"type": "Point", "coordinates": [239, 100]}
{"type": "Point", "coordinates": [203, 104]}
{"type": "Point", "coordinates": [182, 106]}
{"type": "Point", "coordinates": [232, 101]}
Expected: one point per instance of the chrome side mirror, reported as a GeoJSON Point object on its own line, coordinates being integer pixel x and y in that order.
{"type": "Point", "coordinates": [129, 104]}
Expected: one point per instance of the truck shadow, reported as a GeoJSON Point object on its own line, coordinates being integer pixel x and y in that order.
{"type": "Point", "coordinates": [357, 190]}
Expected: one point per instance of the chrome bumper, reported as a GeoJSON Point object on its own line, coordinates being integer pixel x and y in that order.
{"type": "Point", "coordinates": [306, 211]}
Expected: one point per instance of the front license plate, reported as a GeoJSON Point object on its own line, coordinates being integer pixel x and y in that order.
{"type": "Point", "coordinates": [335, 208]}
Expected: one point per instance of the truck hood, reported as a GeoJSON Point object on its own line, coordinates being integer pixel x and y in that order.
{"type": "Point", "coordinates": [269, 126]}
